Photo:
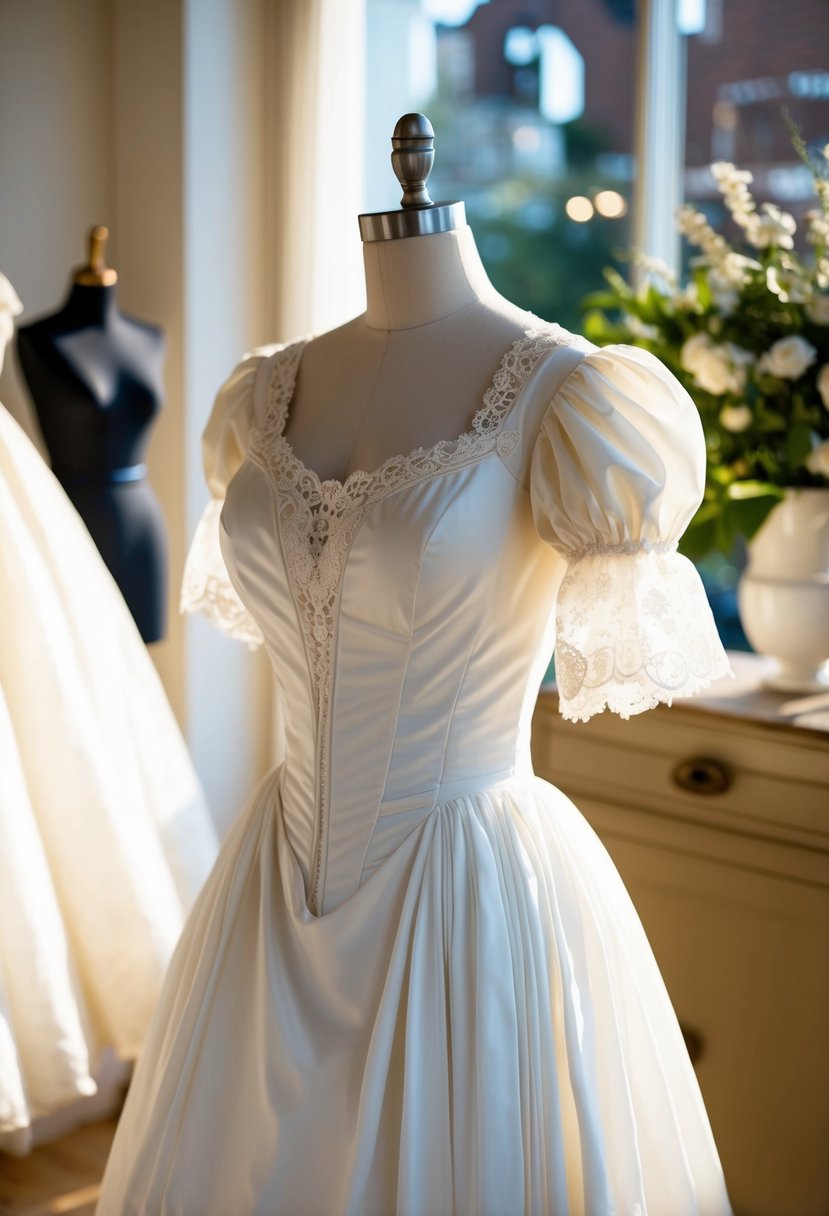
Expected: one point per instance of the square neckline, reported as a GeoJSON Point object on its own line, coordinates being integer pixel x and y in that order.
{"type": "Point", "coordinates": [487, 421]}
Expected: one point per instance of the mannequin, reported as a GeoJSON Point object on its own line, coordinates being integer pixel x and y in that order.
{"type": "Point", "coordinates": [96, 379]}
{"type": "Point", "coordinates": [412, 369]}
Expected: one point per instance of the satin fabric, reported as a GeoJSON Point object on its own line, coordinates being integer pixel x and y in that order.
{"type": "Point", "coordinates": [414, 982]}
{"type": "Point", "coordinates": [105, 837]}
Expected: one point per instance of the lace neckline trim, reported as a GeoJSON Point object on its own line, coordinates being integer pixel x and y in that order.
{"type": "Point", "coordinates": [515, 365]}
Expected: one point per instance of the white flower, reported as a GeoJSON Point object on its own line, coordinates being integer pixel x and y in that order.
{"type": "Point", "coordinates": [823, 384]}
{"type": "Point", "coordinates": [787, 284]}
{"type": "Point", "coordinates": [818, 460]}
{"type": "Point", "coordinates": [775, 227]}
{"type": "Point", "coordinates": [788, 358]}
{"type": "Point", "coordinates": [817, 310]}
{"type": "Point", "coordinates": [716, 368]}
{"type": "Point", "coordinates": [639, 328]}
{"type": "Point", "coordinates": [733, 184]}
{"type": "Point", "coordinates": [10, 306]}
{"type": "Point", "coordinates": [688, 297]}
{"type": "Point", "coordinates": [735, 418]}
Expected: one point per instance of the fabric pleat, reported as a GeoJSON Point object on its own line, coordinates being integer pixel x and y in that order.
{"type": "Point", "coordinates": [105, 836]}
{"type": "Point", "coordinates": [509, 1048]}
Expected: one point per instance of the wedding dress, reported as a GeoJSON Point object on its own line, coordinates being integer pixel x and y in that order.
{"type": "Point", "coordinates": [414, 982]}
{"type": "Point", "coordinates": [105, 837]}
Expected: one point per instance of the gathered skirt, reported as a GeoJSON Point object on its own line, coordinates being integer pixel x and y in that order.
{"type": "Point", "coordinates": [480, 1029]}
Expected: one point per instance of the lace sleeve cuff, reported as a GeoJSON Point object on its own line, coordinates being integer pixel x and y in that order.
{"type": "Point", "coordinates": [206, 586]}
{"type": "Point", "coordinates": [633, 628]}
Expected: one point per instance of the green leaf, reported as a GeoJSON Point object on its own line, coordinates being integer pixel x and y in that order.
{"type": "Point", "coordinates": [700, 537]}
{"type": "Point", "coordinates": [746, 514]}
{"type": "Point", "coordinates": [602, 299]}
{"type": "Point", "coordinates": [798, 444]}
{"type": "Point", "coordinates": [703, 289]}
{"type": "Point", "coordinates": [740, 490]}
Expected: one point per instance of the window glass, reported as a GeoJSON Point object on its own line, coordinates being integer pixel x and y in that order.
{"type": "Point", "coordinates": [532, 105]}
{"type": "Point", "coordinates": [747, 61]}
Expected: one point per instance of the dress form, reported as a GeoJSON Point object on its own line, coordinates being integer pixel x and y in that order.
{"type": "Point", "coordinates": [412, 369]}
{"type": "Point", "coordinates": [96, 380]}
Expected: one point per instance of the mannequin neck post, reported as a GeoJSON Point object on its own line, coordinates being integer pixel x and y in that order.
{"type": "Point", "coordinates": [413, 281]}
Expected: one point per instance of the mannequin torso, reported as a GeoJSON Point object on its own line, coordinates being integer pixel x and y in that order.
{"type": "Point", "coordinates": [96, 379]}
{"type": "Point", "coordinates": [410, 371]}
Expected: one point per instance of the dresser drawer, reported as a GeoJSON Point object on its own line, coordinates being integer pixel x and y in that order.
{"type": "Point", "coordinates": [745, 957]}
{"type": "Point", "coordinates": [693, 766]}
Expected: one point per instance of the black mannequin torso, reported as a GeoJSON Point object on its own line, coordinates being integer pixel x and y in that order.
{"type": "Point", "coordinates": [96, 379]}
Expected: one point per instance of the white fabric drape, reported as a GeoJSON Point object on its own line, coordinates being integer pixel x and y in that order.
{"type": "Point", "coordinates": [316, 104]}
{"type": "Point", "coordinates": [105, 837]}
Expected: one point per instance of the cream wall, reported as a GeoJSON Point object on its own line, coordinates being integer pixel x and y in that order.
{"type": "Point", "coordinates": [149, 117]}
{"type": "Point", "coordinates": [56, 144]}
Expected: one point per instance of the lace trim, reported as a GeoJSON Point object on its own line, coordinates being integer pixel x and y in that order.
{"type": "Point", "coordinates": [319, 519]}
{"type": "Point", "coordinates": [632, 634]}
{"type": "Point", "coordinates": [206, 587]}
{"type": "Point", "coordinates": [626, 547]}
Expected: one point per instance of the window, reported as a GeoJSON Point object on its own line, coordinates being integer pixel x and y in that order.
{"type": "Point", "coordinates": [533, 109]}
{"type": "Point", "coordinates": [534, 104]}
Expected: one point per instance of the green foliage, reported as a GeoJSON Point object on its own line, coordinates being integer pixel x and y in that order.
{"type": "Point", "coordinates": [748, 337]}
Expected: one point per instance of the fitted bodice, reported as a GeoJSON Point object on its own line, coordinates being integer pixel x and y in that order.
{"type": "Point", "coordinates": [406, 616]}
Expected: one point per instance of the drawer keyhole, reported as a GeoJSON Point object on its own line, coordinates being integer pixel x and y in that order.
{"type": "Point", "coordinates": [702, 775]}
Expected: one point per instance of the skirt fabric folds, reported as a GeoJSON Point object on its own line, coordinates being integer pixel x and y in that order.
{"type": "Point", "coordinates": [105, 836]}
{"type": "Point", "coordinates": [481, 1028]}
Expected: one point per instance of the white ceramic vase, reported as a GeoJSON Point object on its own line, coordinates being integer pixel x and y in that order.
{"type": "Point", "coordinates": [784, 593]}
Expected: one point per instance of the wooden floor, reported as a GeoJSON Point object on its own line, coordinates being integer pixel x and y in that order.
{"type": "Point", "coordinates": [59, 1179]}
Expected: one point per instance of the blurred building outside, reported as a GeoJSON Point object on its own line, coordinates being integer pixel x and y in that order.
{"type": "Point", "coordinates": [533, 105]}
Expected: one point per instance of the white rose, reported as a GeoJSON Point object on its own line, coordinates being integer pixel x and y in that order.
{"type": "Point", "coordinates": [700, 357]}
{"type": "Point", "coordinates": [693, 350]}
{"type": "Point", "coordinates": [818, 460]}
{"type": "Point", "coordinates": [788, 358]}
{"type": "Point", "coordinates": [713, 373]}
{"type": "Point", "coordinates": [823, 384]}
{"type": "Point", "coordinates": [735, 418]}
{"type": "Point", "coordinates": [817, 310]}
{"type": "Point", "coordinates": [716, 368]}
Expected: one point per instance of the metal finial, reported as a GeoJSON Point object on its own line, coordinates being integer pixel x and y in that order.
{"type": "Point", "coordinates": [413, 154]}
{"type": "Point", "coordinates": [412, 157]}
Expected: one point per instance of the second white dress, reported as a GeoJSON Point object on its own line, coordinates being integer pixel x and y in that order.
{"type": "Point", "coordinates": [105, 836]}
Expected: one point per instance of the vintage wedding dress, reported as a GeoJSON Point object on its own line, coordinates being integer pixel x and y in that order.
{"type": "Point", "coordinates": [105, 837]}
{"type": "Point", "coordinates": [414, 982]}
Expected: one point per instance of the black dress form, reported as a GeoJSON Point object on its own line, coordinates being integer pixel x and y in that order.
{"type": "Point", "coordinates": [96, 380]}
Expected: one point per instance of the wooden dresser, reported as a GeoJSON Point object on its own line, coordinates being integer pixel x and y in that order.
{"type": "Point", "coordinates": [716, 812]}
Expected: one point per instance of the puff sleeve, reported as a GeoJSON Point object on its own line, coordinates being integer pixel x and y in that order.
{"type": "Point", "coordinates": [617, 472]}
{"type": "Point", "coordinates": [206, 587]}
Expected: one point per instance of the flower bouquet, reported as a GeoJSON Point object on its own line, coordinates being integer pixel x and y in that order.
{"type": "Point", "coordinates": [748, 336]}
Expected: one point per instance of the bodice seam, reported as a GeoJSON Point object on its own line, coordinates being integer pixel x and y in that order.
{"type": "Point", "coordinates": [462, 680]}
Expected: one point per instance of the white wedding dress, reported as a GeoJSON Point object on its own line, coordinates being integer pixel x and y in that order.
{"type": "Point", "coordinates": [414, 982]}
{"type": "Point", "coordinates": [105, 837]}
